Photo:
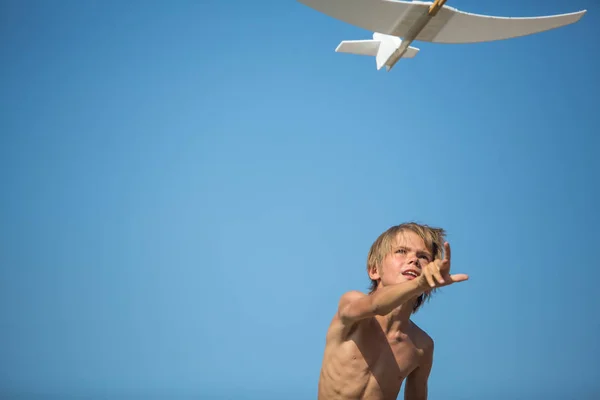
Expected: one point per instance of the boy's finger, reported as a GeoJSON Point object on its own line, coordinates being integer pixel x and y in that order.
{"type": "Point", "coordinates": [438, 275]}
{"type": "Point", "coordinates": [459, 277]}
{"type": "Point", "coordinates": [447, 252]}
{"type": "Point", "coordinates": [429, 279]}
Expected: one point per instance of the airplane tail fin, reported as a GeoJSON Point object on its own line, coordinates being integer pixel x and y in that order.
{"type": "Point", "coordinates": [386, 49]}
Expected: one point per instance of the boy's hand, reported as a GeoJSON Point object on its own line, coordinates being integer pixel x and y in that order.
{"type": "Point", "coordinates": [437, 273]}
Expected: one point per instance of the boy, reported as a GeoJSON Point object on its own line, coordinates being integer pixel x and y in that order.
{"type": "Point", "coordinates": [372, 346]}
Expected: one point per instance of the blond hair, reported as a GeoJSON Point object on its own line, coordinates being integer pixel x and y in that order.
{"type": "Point", "coordinates": [434, 241]}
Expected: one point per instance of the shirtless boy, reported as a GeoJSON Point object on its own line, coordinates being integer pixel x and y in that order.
{"type": "Point", "coordinates": [372, 346]}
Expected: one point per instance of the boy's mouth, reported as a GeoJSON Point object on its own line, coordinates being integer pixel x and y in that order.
{"type": "Point", "coordinates": [410, 273]}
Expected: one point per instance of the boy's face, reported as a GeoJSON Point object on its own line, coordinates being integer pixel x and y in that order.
{"type": "Point", "coordinates": [405, 261]}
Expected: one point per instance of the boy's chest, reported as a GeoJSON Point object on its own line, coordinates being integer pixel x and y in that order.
{"type": "Point", "coordinates": [406, 354]}
{"type": "Point", "coordinates": [398, 355]}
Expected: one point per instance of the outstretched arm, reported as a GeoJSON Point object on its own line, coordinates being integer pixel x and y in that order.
{"type": "Point", "coordinates": [355, 306]}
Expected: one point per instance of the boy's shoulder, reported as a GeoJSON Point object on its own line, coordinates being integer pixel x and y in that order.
{"type": "Point", "coordinates": [352, 295]}
{"type": "Point", "coordinates": [422, 338]}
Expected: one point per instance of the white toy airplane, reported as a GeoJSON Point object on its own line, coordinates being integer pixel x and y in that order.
{"type": "Point", "coordinates": [433, 22]}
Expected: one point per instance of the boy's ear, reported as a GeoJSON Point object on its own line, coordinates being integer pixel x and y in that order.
{"type": "Point", "coordinates": [374, 272]}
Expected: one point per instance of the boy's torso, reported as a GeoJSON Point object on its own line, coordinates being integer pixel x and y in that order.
{"type": "Point", "coordinates": [365, 363]}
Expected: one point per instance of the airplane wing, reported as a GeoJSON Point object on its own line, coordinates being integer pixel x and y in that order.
{"type": "Point", "coordinates": [453, 26]}
{"type": "Point", "coordinates": [382, 16]}
{"type": "Point", "coordinates": [397, 18]}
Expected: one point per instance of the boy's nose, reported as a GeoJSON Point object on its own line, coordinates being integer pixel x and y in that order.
{"type": "Point", "coordinates": [414, 260]}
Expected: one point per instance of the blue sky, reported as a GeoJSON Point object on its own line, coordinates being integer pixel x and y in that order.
{"type": "Point", "coordinates": [188, 188]}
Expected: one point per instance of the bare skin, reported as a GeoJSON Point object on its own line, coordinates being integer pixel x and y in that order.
{"type": "Point", "coordinates": [372, 346]}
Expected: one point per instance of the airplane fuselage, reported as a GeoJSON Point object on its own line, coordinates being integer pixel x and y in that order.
{"type": "Point", "coordinates": [419, 24]}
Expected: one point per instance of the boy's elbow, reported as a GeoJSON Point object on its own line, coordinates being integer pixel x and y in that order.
{"type": "Point", "coordinates": [355, 306]}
